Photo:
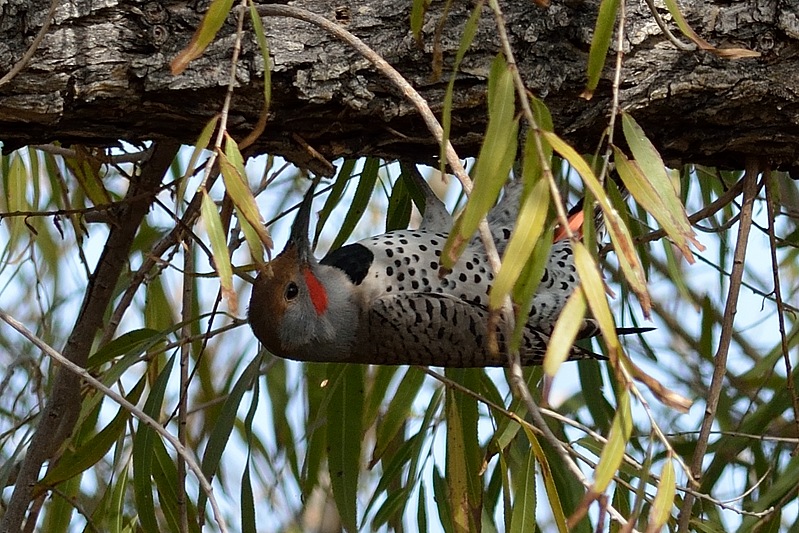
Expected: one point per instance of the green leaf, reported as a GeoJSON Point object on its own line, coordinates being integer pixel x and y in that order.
{"type": "Point", "coordinates": [523, 517]}
{"type": "Point", "coordinates": [211, 24]}
{"type": "Point", "coordinates": [220, 434]}
{"type": "Point", "coordinates": [89, 453]}
{"type": "Point", "coordinates": [213, 225]}
{"type": "Point", "coordinates": [441, 494]}
{"type": "Point", "coordinates": [613, 451]}
{"type": "Point", "coordinates": [360, 201]}
{"type": "Point", "coordinates": [393, 506]}
{"type": "Point", "coordinates": [345, 437]}
{"type": "Point", "coordinates": [619, 234]}
{"type": "Point", "coordinates": [166, 480]}
{"type": "Point", "coordinates": [342, 179]}
{"type": "Point", "coordinates": [528, 229]}
{"type": "Point", "coordinates": [143, 443]}
{"type": "Point", "coordinates": [116, 514]}
{"type": "Point", "coordinates": [418, 9]}
{"type": "Point", "coordinates": [463, 453]}
{"type": "Point", "coordinates": [664, 498]}
{"type": "Point", "coordinates": [569, 322]}
{"type": "Point", "coordinates": [494, 162]}
{"type": "Point", "coordinates": [317, 392]}
{"type": "Point", "coordinates": [467, 36]}
{"type": "Point", "coordinates": [549, 481]}
{"type": "Point", "coordinates": [400, 205]}
{"type": "Point", "coordinates": [263, 45]}
{"type": "Point", "coordinates": [603, 33]}
{"type": "Point", "coordinates": [397, 411]}
{"type": "Point", "coordinates": [136, 341]}
{"type": "Point", "coordinates": [248, 518]}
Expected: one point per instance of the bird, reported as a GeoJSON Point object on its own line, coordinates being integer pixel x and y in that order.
{"type": "Point", "coordinates": [381, 301]}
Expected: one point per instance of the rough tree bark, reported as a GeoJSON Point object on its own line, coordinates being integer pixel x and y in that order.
{"type": "Point", "coordinates": [102, 74]}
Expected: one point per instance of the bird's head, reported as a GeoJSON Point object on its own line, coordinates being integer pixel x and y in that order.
{"type": "Point", "coordinates": [299, 309]}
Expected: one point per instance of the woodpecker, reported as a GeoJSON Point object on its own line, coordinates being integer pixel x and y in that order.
{"type": "Point", "coordinates": [380, 300]}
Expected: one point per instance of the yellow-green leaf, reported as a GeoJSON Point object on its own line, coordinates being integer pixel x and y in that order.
{"type": "Point", "coordinates": [628, 258]}
{"type": "Point", "coordinates": [263, 45]}
{"type": "Point", "coordinates": [528, 229]}
{"type": "Point", "coordinates": [86, 170]}
{"type": "Point", "coordinates": [566, 328]}
{"type": "Point", "coordinates": [494, 162]}
{"type": "Point", "coordinates": [613, 452]}
{"type": "Point", "coordinates": [549, 481]}
{"type": "Point", "coordinates": [664, 498]}
{"type": "Point", "coordinates": [213, 225]}
{"type": "Point", "coordinates": [212, 22]}
{"type": "Point", "coordinates": [232, 168]}
{"type": "Point", "coordinates": [594, 290]}
{"type": "Point", "coordinates": [202, 144]}
{"type": "Point", "coordinates": [647, 180]}
{"type": "Point", "coordinates": [603, 33]}
{"type": "Point", "coordinates": [344, 437]}
{"type": "Point", "coordinates": [729, 53]}
{"type": "Point", "coordinates": [523, 515]}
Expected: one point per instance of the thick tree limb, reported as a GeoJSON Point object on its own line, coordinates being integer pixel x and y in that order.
{"type": "Point", "coordinates": [59, 416]}
{"type": "Point", "coordinates": [102, 74]}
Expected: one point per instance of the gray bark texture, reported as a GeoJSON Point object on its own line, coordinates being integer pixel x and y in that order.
{"type": "Point", "coordinates": [102, 74]}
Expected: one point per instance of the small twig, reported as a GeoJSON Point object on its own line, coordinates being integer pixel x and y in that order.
{"type": "Point", "coordinates": [775, 266]}
{"type": "Point", "coordinates": [26, 57]}
{"type": "Point", "coordinates": [135, 157]}
{"type": "Point", "coordinates": [123, 402]}
{"type": "Point", "coordinates": [183, 404]}
{"type": "Point", "coordinates": [210, 163]}
{"type": "Point", "coordinates": [731, 308]}
{"type": "Point", "coordinates": [616, 89]}
{"type": "Point", "coordinates": [686, 47]}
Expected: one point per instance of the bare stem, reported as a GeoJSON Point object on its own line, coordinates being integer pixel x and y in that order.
{"type": "Point", "coordinates": [767, 177]}
{"type": "Point", "coordinates": [185, 349]}
{"type": "Point", "coordinates": [731, 308]}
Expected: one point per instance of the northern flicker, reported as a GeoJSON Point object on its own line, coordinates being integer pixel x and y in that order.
{"type": "Point", "coordinates": [381, 301]}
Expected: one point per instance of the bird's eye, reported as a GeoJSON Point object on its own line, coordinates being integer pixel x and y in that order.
{"type": "Point", "coordinates": [292, 291]}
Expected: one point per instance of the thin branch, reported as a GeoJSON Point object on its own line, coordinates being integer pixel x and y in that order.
{"type": "Point", "coordinates": [79, 371]}
{"type": "Point", "coordinates": [134, 157]}
{"type": "Point", "coordinates": [60, 415]}
{"type": "Point", "coordinates": [686, 47]}
{"type": "Point", "coordinates": [183, 403]}
{"type": "Point", "coordinates": [731, 308]}
{"type": "Point", "coordinates": [770, 200]}
{"type": "Point", "coordinates": [26, 57]}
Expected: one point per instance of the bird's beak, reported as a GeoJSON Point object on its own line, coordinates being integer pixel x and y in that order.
{"type": "Point", "coordinates": [299, 230]}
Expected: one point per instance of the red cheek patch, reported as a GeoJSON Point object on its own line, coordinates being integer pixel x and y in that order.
{"type": "Point", "coordinates": [316, 290]}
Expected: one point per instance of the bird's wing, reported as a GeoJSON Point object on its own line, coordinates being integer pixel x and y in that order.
{"type": "Point", "coordinates": [441, 330]}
